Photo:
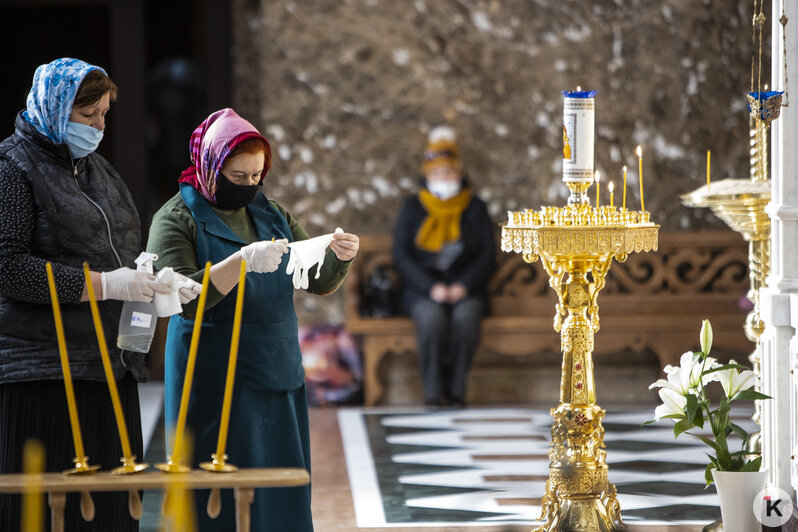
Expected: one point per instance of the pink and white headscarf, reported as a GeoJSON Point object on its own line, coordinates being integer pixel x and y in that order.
{"type": "Point", "coordinates": [213, 140]}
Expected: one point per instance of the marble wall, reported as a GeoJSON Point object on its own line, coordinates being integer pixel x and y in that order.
{"type": "Point", "coordinates": [346, 91]}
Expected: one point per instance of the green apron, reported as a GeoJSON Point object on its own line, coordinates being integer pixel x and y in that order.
{"type": "Point", "coordinates": [269, 415]}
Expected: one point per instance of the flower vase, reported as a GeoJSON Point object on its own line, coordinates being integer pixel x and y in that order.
{"type": "Point", "coordinates": [736, 491]}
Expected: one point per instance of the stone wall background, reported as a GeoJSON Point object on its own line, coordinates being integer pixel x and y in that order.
{"type": "Point", "coordinates": [347, 90]}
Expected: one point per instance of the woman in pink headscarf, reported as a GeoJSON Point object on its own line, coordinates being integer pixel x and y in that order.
{"type": "Point", "coordinates": [220, 215]}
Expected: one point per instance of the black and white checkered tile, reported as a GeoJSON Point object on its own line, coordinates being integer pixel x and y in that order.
{"type": "Point", "coordinates": [461, 467]}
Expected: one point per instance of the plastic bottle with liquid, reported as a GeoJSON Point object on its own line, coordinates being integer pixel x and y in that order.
{"type": "Point", "coordinates": [138, 320]}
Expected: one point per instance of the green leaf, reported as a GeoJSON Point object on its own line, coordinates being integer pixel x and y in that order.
{"type": "Point", "coordinates": [708, 473]}
{"type": "Point", "coordinates": [680, 427]}
{"type": "Point", "coordinates": [691, 407]}
{"type": "Point", "coordinates": [708, 441]}
{"type": "Point", "coordinates": [744, 452]}
{"type": "Point", "coordinates": [724, 367]}
{"type": "Point", "coordinates": [749, 395]}
{"type": "Point", "coordinates": [649, 422]}
{"type": "Point", "coordinates": [740, 432]}
{"type": "Point", "coordinates": [699, 418]}
{"type": "Point", "coordinates": [753, 465]}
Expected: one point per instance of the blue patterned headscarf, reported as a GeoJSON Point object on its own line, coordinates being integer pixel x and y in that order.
{"type": "Point", "coordinates": [52, 94]}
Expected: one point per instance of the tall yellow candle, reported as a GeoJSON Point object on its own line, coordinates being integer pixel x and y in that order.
{"type": "Point", "coordinates": [612, 194]}
{"type": "Point", "coordinates": [623, 206]}
{"type": "Point", "coordinates": [62, 350]}
{"type": "Point", "coordinates": [231, 364]}
{"type": "Point", "coordinates": [708, 155]}
{"type": "Point", "coordinates": [32, 499]}
{"type": "Point", "coordinates": [177, 452]}
{"type": "Point", "coordinates": [598, 187]}
{"type": "Point", "coordinates": [640, 176]}
{"type": "Point", "coordinates": [109, 372]}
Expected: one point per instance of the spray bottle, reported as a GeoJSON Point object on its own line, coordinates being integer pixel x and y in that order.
{"type": "Point", "coordinates": [137, 324]}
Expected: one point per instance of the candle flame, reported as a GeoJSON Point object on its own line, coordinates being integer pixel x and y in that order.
{"type": "Point", "coordinates": [579, 89]}
{"type": "Point", "coordinates": [610, 186]}
{"type": "Point", "coordinates": [639, 152]}
{"type": "Point", "coordinates": [624, 168]}
{"type": "Point", "coordinates": [598, 176]}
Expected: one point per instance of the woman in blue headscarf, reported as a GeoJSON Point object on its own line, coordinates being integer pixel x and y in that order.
{"type": "Point", "coordinates": [63, 203]}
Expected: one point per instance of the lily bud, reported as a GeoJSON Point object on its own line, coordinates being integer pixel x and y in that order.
{"type": "Point", "coordinates": [706, 337]}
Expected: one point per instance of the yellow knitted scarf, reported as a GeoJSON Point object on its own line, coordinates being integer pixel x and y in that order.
{"type": "Point", "coordinates": [442, 223]}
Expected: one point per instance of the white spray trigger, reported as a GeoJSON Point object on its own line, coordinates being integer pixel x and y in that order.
{"type": "Point", "coordinates": [144, 262]}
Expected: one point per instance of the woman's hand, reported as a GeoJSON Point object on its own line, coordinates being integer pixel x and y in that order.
{"type": "Point", "coordinates": [345, 246]}
{"type": "Point", "coordinates": [456, 292]}
{"type": "Point", "coordinates": [264, 256]}
{"type": "Point", "coordinates": [125, 284]}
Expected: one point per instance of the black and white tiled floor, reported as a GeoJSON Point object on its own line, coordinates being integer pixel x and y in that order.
{"type": "Point", "coordinates": [465, 467]}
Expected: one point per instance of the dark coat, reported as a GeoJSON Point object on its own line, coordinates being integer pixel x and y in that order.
{"type": "Point", "coordinates": [416, 266]}
{"type": "Point", "coordinates": [83, 212]}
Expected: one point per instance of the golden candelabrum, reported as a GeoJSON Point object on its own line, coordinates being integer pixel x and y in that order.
{"type": "Point", "coordinates": [741, 204]}
{"type": "Point", "coordinates": [576, 245]}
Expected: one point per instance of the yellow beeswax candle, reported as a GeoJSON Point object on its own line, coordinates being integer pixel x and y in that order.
{"type": "Point", "coordinates": [109, 372]}
{"type": "Point", "coordinates": [32, 499]}
{"type": "Point", "coordinates": [179, 444]}
{"type": "Point", "coordinates": [598, 187]}
{"type": "Point", "coordinates": [231, 364]}
{"type": "Point", "coordinates": [62, 351]}
{"type": "Point", "coordinates": [639, 152]}
{"type": "Point", "coordinates": [708, 155]}
{"type": "Point", "coordinates": [623, 206]}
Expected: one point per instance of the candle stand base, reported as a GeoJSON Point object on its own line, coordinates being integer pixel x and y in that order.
{"type": "Point", "coordinates": [579, 496]}
{"type": "Point", "coordinates": [218, 466]}
{"type": "Point", "coordinates": [172, 466]}
{"type": "Point", "coordinates": [82, 467]}
{"type": "Point", "coordinates": [129, 466]}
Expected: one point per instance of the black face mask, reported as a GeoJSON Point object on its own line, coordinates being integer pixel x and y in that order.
{"type": "Point", "coordinates": [230, 196]}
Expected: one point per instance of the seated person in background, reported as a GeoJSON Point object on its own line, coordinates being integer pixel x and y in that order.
{"type": "Point", "coordinates": [444, 250]}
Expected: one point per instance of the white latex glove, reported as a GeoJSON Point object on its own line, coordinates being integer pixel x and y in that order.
{"type": "Point", "coordinates": [187, 288]}
{"type": "Point", "coordinates": [304, 255]}
{"type": "Point", "coordinates": [124, 284]}
{"type": "Point", "coordinates": [264, 256]}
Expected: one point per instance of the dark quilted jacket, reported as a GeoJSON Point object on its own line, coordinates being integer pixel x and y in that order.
{"type": "Point", "coordinates": [83, 212]}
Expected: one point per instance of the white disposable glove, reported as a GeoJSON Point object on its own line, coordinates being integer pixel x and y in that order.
{"type": "Point", "coordinates": [124, 284]}
{"type": "Point", "coordinates": [264, 256]}
{"type": "Point", "coordinates": [306, 253]}
{"type": "Point", "coordinates": [187, 288]}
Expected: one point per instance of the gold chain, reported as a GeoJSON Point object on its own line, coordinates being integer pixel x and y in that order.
{"type": "Point", "coordinates": [783, 20]}
{"type": "Point", "coordinates": [753, 44]}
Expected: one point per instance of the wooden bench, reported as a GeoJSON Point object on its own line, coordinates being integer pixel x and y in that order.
{"type": "Point", "coordinates": [654, 301]}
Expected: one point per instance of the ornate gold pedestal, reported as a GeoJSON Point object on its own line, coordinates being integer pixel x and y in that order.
{"type": "Point", "coordinates": [576, 245]}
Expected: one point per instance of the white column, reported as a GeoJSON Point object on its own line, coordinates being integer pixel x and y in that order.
{"type": "Point", "coordinates": [778, 343]}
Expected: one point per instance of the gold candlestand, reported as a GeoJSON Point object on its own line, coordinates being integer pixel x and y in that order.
{"type": "Point", "coordinates": [576, 245]}
{"type": "Point", "coordinates": [741, 204]}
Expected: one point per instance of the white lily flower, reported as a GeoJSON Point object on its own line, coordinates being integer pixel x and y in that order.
{"type": "Point", "coordinates": [672, 403]}
{"type": "Point", "coordinates": [686, 377]}
{"type": "Point", "coordinates": [735, 381]}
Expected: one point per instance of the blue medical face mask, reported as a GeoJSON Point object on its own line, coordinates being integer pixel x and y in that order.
{"type": "Point", "coordinates": [82, 139]}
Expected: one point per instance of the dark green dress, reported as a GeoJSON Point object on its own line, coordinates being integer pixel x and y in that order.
{"type": "Point", "coordinates": [269, 418]}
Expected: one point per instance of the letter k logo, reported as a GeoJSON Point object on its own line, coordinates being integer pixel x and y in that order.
{"type": "Point", "coordinates": [772, 507]}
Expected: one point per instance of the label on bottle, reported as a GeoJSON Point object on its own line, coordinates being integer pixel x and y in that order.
{"type": "Point", "coordinates": [140, 319]}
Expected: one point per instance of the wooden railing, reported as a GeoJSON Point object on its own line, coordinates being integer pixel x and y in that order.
{"type": "Point", "coordinates": [243, 482]}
